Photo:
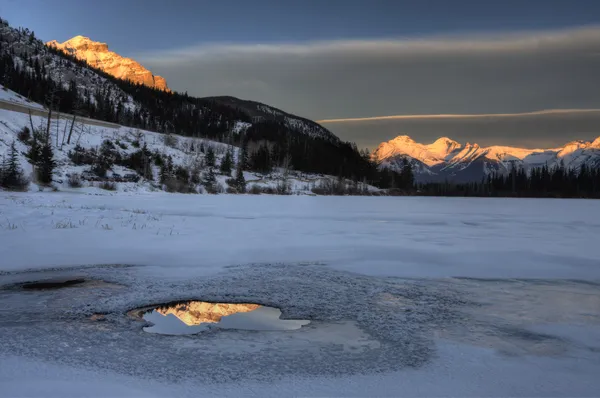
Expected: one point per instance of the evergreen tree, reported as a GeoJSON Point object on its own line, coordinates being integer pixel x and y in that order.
{"type": "Point", "coordinates": [46, 164]}
{"type": "Point", "coordinates": [166, 170]}
{"type": "Point", "coordinates": [209, 180]}
{"type": "Point", "coordinates": [243, 156]}
{"type": "Point", "coordinates": [226, 164]}
{"type": "Point", "coordinates": [407, 175]}
{"type": "Point", "coordinates": [210, 157]}
{"type": "Point", "coordinates": [12, 175]}
{"type": "Point", "coordinates": [261, 159]}
{"type": "Point", "coordinates": [105, 159]}
{"type": "Point", "coordinates": [240, 181]}
{"type": "Point", "coordinates": [33, 153]}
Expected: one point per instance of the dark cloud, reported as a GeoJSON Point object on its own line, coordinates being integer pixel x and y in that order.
{"type": "Point", "coordinates": [452, 75]}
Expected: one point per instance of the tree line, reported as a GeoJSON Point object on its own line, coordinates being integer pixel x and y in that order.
{"type": "Point", "coordinates": [544, 182]}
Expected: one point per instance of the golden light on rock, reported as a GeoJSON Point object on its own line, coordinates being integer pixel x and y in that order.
{"type": "Point", "coordinates": [196, 312]}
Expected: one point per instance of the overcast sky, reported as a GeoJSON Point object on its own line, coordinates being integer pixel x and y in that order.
{"type": "Point", "coordinates": [366, 59]}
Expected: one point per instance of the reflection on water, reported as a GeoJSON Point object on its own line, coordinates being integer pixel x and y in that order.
{"type": "Point", "coordinates": [196, 316]}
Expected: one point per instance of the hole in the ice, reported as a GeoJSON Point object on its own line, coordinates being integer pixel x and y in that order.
{"type": "Point", "coordinates": [193, 317]}
{"type": "Point", "coordinates": [60, 283]}
{"type": "Point", "coordinates": [52, 284]}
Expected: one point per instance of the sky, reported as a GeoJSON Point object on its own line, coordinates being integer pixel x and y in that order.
{"type": "Point", "coordinates": [338, 60]}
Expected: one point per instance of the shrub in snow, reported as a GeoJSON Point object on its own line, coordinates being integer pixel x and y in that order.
{"type": "Point", "coordinates": [81, 156]}
{"type": "Point", "coordinates": [209, 181]}
{"type": "Point", "coordinates": [121, 145]}
{"type": "Point", "coordinates": [24, 135]}
{"type": "Point", "coordinates": [195, 178]}
{"type": "Point", "coordinates": [283, 188]}
{"type": "Point", "coordinates": [170, 140]}
{"type": "Point", "coordinates": [107, 155]}
{"type": "Point", "coordinates": [269, 191]}
{"type": "Point", "coordinates": [158, 159]}
{"type": "Point", "coordinates": [75, 180]}
{"type": "Point", "coordinates": [255, 190]}
{"type": "Point", "coordinates": [108, 185]}
{"type": "Point", "coordinates": [141, 162]}
{"type": "Point", "coordinates": [182, 174]}
{"type": "Point", "coordinates": [175, 185]}
{"type": "Point", "coordinates": [330, 187]}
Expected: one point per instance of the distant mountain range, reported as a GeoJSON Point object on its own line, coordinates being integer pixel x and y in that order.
{"type": "Point", "coordinates": [98, 55]}
{"type": "Point", "coordinates": [448, 160]}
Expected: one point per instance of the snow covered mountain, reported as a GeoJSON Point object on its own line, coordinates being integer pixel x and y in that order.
{"type": "Point", "coordinates": [68, 83]}
{"type": "Point", "coordinates": [98, 55]}
{"type": "Point", "coordinates": [446, 159]}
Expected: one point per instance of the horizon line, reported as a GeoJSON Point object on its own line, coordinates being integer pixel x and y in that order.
{"type": "Point", "coordinates": [457, 116]}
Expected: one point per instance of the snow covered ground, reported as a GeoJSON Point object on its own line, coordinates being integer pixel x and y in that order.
{"type": "Point", "coordinates": [406, 296]}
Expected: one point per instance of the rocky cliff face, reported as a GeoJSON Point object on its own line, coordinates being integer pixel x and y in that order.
{"type": "Point", "coordinates": [99, 56]}
{"type": "Point", "coordinates": [197, 312]}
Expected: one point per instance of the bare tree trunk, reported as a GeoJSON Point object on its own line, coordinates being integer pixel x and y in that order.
{"type": "Point", "coordinates": [31, 122]}
{"type": "Point", "coordinates": [71, 130]}
{"type": "Point", "coordinates": [33, 138]}
{"type": "Point", "coordinates": [64, 136]}
{"type": "Point", "coordinates": [57, 128]}
{"type": "Point", "coordinates": [48, 124]}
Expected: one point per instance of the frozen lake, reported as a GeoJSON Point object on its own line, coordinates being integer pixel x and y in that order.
{"type": "Point", "coordinates": [405, 296]}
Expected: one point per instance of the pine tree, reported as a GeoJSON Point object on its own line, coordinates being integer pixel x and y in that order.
{"type": "Point", "coordinates": [240, 181]}
{"type": "Point", "coordinates": [105, 160]}
{"type": "Point", "coordinates": [408, 178]}
{"type": "Point", "coordinates": [147, 163]}
{"type": "Point", "coordinates": [210, 157]}
{"type": "Point", "coordinates": [33, 153]}
{"type": "Point", "coordinates": [12, 174]}
{"type": "Point", "coordinates": [209, 180]}
{"type": "Point", "coordinates": [166, 170]}
{"type": "Point", "coordinates": [46, 164]}
{"type": "Point", "coordinates": [226, 164]}
{"type": "Point", "coordinates": [243, 157]}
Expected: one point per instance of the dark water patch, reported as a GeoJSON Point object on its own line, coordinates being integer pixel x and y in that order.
{"type": "Point", "coordinates": [52, 284]}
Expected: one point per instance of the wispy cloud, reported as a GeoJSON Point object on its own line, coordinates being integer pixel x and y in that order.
{"type": "Point", "coordinates": [459, 77]}
{"type": "Point", "coordinates": [455, 116]}
{"type": "Point", "coordinates": [480, 43]}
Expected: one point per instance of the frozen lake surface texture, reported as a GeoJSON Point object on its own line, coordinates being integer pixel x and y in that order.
{"type": "Point", "coordinates": [362, 296]}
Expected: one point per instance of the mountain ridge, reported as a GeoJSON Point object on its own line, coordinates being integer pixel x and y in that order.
{"type": "Point", "coordinates": [446, 159]}
{"type": "Point", "coordinates": [97, 55]}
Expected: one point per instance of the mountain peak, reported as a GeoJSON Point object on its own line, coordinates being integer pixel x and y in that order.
{"type": "Point", "coordinates": [443, 146]}
{"type": "Point", "coordinates": [403, 138]}
{"type": "Point", "coordinates": [403, 145]}
{"type": "Point", "coordinates": [445, 140]}
{"type": "Point", "coordinates": [97, 55]}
